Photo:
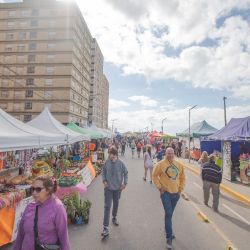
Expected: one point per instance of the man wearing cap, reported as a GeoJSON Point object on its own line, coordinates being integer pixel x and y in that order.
{"type": "Point", "coordinates": [169, 178]}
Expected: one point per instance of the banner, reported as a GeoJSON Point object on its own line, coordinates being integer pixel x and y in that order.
{"type": "Point", "coordinates": [226, 160]}
{"type": "Point", "coordinates": [7, 215]}
{"type": "Point", "coordinates": [20, 207]}
{"type": "Point", "coordinates": [87, 173]}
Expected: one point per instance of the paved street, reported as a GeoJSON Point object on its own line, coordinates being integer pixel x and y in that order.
{"type": "Point", "coordinates": [142, 225]}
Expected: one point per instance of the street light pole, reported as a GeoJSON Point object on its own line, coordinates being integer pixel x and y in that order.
{"type": "Point", "coordinates": [225, 111]}
{"type": "Point", "coordinates": [162, 121]}
{"type": "Point", "coordinates": [189, 132]}
{"type": "Point", "coordinates": [113, 124]}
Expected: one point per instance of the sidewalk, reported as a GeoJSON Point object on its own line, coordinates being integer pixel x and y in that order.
{"type": "Point", "coordinates": [235, 189]}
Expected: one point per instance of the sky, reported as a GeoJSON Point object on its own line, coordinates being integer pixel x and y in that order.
{"type": "Point", "coordinates": [163, 57]}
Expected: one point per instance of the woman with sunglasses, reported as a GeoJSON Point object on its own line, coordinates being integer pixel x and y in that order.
{"type": "Point", "coordinates": [50, 216]}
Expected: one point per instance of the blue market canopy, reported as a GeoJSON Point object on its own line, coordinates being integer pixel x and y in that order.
{"type": "Point", "coordinates": [237, 129]}
{"type": "Point", "coordinates": [198, 129]}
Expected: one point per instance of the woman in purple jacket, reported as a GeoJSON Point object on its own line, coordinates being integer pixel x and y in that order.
{"type": "Point", "coordinates": [51, 218]}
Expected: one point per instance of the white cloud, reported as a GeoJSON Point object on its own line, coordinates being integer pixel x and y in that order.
{"type": "Point", "coordinates": [144, 101]}
{"type": "Point", "coordinates": [135, 36]}
{"type": "Point", "coordinates": [177, 120]}
{"type": "Point", "coordinates": [116, 104]}
{"type": "Point", "coordinates": [242, 92]}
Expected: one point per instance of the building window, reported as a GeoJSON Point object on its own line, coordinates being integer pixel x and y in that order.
{"type": "Point", "coordinates": [8, 48]}
{"type": "Point", "coordinates": [35, 12]}
{"type": "Point", "coordinates": [51, 57]}
{"type": "Point", "coordinates": [9, 36]}
{"type": "Point", "coordinates": [17, 94]}
{"type": "Point", "coordinates": [30, 81]}
{"type": "Point", "coordinates": [27, 118]}
{"type": "Point", "coordinates": [17, 106]}
{"type": "Point", "coordinates": [29, 93]}
{"type": "Point", "coordinates": [23, 24]}
{"type": "Point", "coordinates": [18, 83]}
{"type": "Point", "coordinates": [20, 58]}
{"type": "Point", "coordinates": [33, 34]}
{"type": "Point", "coordinates": [32, 46]}
{"type": "Point", "coordinates": [12, 13]}
{"type": "Point", "coordinates": [7, 59]}
{"type": "Point", "coordinates": [52, 23]}
{"type": "Point", "coordinates": [51, 45]}
{"type": "Point", "coordinates": [4, 93]}
{"type": "Point", "coordinates": [10, 24]}
{"type": "Point", "coordinates": [48, 81]}
{"type": "Point", "coordinates": [22, 35]}
{"type": "Point", "coordinates": [33, 23]}
{"type": "Point", "coordinates": [50, 70]}
{"type": "Point", "coordinates": [52, 34]}
{"type": "Point", "coordinates": [4, 106]}
{"type": "Point", "coordinates": [19, 70]}
{"type": "Point", "coordinates": [20, 47]}
{"type": "Point", "coordinates": [47, 94]}
{"type": "Point", "coordinates": [25, 13]}
{"type": "Point", "coordinates": [31, 58]}
{"type": "Point", "coordinates": [28, 105]}
{"type": "Point", "coordinates": [5, 83]}
{"type": "Point", "coordinates": [31, 69]}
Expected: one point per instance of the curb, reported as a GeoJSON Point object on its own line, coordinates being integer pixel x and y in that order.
{"type": "Point", "coordinates": [231, 248]}
{"type": "Point", "coordinates": [203, 216]}
{"type": "Point", "coordinates": [230, 191]}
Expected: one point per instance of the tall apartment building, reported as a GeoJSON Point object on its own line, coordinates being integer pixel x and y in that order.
{"type": "Point", "coordinates": [45, 60]}
{"type": "Point", "coordinates": [105, 101]}
{"type": "Point", "coordinates": [99, 92]}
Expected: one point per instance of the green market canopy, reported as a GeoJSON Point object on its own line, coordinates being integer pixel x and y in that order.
{"type": "Point", "coordinates": [198, 129]}
{"type": "Point", "coordinates": [85, 131]}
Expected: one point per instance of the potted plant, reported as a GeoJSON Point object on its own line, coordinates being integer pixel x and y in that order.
{"type": "Point", "coordinates": [77, 209]}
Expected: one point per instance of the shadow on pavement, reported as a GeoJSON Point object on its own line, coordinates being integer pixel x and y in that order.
{"type": "Point", "coordinates": [239, 203]}
{"type": "Point", "coordinates": [235, 221]}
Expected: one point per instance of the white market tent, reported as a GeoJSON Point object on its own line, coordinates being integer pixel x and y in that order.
{"type": "Point", "coordinates": [16, 135]}
{"type": "Point", "coordinates": [46, 122]}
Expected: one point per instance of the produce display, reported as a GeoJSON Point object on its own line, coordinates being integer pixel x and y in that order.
{"type": "Point", "coordinates": [9, 196]}
{"type": "Point", "coordinates": [41, 168]}
{"type": "Point", "coordinates": [67, 180]}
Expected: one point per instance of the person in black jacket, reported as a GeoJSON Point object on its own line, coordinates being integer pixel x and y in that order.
{"type": "Point", "coordinates": [211, 176]}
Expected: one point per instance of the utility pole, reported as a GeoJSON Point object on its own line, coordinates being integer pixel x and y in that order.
{"type": "Point", "coordinates": [162, 121]}
{"type": "Point", "coordinates": [189, 132]}
{"type": "Point", "coordinates": [113, 124]}
{"type": "Point", "coordinates": [225, 110]}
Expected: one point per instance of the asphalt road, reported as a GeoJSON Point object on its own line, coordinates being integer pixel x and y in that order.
{"type": "Point", "coordinates": [141, 218]}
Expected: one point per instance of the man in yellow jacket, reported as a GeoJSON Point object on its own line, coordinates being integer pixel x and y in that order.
{"type": "Point", "coordinates": [169, 178]}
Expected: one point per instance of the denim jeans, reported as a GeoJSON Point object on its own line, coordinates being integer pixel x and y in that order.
{"type": "Point", "coordinates": [109, 196]}
{"type": "Point", "coordinates": [169, 202]}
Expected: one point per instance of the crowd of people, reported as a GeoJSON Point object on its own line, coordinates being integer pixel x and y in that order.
{"type": "Point", "coordinates": [44, 222]}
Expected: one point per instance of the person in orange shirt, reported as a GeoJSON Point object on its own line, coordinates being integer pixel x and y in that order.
{"type": "Point", "coordinates": [138, 147]}
{"type": "Point", "coordinates": [169, 178]}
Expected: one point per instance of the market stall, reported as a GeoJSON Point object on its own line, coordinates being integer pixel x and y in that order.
{"type": "Point", "coordinates": [197, 130]}
{"type": "Point", "coordinates": [23, 157]}
{"type": "Point", "coordinates": [233, 142]}
{"type": "Point", "coordinates": [46, 122]}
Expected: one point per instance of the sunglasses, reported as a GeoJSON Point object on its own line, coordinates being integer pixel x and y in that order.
{"type": "Point", "coordinates": [37, 189]}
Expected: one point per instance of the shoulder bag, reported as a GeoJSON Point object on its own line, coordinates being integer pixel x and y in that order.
{"type": "Point", "coordinates": [38, 244]}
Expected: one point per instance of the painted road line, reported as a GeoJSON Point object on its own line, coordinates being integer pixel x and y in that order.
{"type": "Point", "coordinates": [235, 213]}
{"type": "Point", "coordinates": [197, 185]}
{"type": "Point", "coordinates": [229, 244]}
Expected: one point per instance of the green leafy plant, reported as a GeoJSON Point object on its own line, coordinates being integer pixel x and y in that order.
{"type": "Point", "coordinates": [76, 207]}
